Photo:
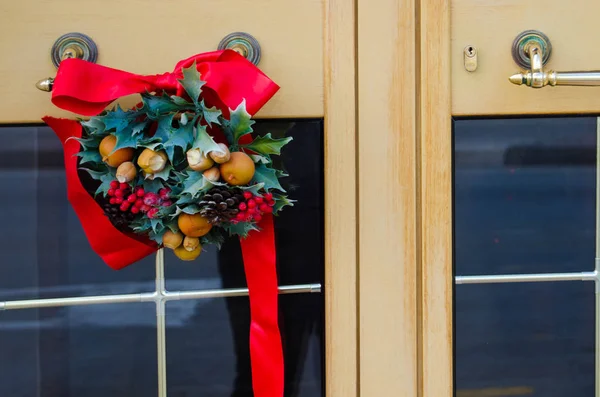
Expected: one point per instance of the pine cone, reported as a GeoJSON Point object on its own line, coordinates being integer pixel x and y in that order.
{"type": "Point", "coordinates": [220, 205]}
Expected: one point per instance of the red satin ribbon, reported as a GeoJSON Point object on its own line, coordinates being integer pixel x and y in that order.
{"type": "Point", "coordinates": [86, 88]}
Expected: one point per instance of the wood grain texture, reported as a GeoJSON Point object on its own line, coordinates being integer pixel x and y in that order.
{"type": "Point", "coordinates": [387, 194]}
{"type": "Point", "coordinates": [149, 37]}
{"type": "Point", "coordinates": [491, 26]}
{"type": "Point", "coordinates": [435, 199]}
{"type": "Point", "coordinates": [340, 199]}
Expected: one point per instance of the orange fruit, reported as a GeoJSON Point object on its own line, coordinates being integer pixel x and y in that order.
{"type": "Point", "coordinates": [193, 225]}
{"type": "Point", "coordinates": [239, 170]}
{"type": "Point", "coordinates": [186, 255]}
{"type": "Point", "coordinates": [107, 145]}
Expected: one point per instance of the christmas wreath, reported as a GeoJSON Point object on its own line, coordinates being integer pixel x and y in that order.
{"type": "Point", "coordinates": [162, 173]}
{"type": "Point", "coordinates": [181, 170]}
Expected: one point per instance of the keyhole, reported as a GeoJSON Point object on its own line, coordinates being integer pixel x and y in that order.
{"type": "Point", "coordinates": [470, 51]}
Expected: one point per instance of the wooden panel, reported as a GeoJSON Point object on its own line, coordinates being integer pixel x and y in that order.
{"type": "Point", "coordinates": [149, 37]}
{"type": "Point", "coordinates": [340, 199]}
{"type": "Point", "coordinates": [491, 26]}
{"type": "Point", "coordinates": [387, 194]}
{"type": "Point", "coordinates": [435, 200]}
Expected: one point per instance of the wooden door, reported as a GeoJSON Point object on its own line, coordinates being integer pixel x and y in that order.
{"type": "Point", "coordinates": [482, 282]}
{"type": "Point", "coordinates": [308, 48]}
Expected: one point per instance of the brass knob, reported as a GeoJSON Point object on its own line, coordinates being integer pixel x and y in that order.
{"type": "Point", "coordinates": [244, 44]}
{"type": "Point", "coordinates": [70, 45]}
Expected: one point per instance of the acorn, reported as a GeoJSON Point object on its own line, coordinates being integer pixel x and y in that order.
{"type": "Point", "coordinates": [213, 174]}
{"type": "Point", "coordinates": [198, 161]}
{"type": "Point", "coordinates": [221, 156]}
{"type": "Point", "coordinates": [172, 240]}
{"type": "Point", "coordinates": [152, 162]}
{"type": "Point", "coordinates": [112, 157]}
{"type": "Point", "coordinates": [126, 172]}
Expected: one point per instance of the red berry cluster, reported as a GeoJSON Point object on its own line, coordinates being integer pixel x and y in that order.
{"type": "Point", "coordinates": [137, 200]}
{"type": "Point", "coordinates": [254, 207]}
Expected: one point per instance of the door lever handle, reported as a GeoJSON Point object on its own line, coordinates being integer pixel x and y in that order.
{"type": "Point", "coordinates": [531, 50]}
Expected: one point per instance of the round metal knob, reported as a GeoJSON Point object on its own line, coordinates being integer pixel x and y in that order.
{"type": "Point", "coordinates": [524, 41]}
{"type": "Point", "coordinates": [244, 44]}
{"type": "Point", "coordinates": [74, 45]}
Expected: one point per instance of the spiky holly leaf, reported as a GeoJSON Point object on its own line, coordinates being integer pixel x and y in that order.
{"type": "Point", "coordinates": [196, 183]}
{"type": "Point", "coordinates": [205, 142]}
{"type": "Point", "coordinates": [267, 145]}
{"type": "Point", "coordinates": [89, 156]}
{"type": "Point", "coordinates": [152, 185]}
{"type": "Point", "coordinates": [180, 101]}
{"type": "Point", "coordinates": [94, 126]}
{"type": "Point", "coordinates": [151, 143]}
{"type": "Point", "coordinates": [260, 159]}
{"type": "Point", "coordinates": [156, 237]}
{"type": "Point", "coordinates": [268, 176]}
{"type": "Point", "coordinates": [157, 225]}
{"type": "Point", "coordinates": [156, 105]}
{"type": "Point", "coordinates": [211, 115]}
{"type": "Point", "coordinates": [87, 143]}
{"type": "Point", "coordinates": [96, 174]}
{"type": "Point", "coordinates": [164, 174]}
{"type": "Point", "coordinates": [240, 229]}
{"type": "Point", "coordinates": [191, 82]}
{"type": "Point", "coordinates": [185, 198]}
{"type": "Point", "coordinates": [180, 138]}
{"type": "Point", "coordinates": [106, 179]}
{"type": "Point", "coordinates": [254, 189]}
{"type": "Point", "coordinates": [125, 139]}
{"type": "Point", "coordinates": [239, 124]}
{"type": "Point", "coordinates": [191, 209]}
{"type": "Point", "coordinates": [214, 237]}
{"type": "Point", "coordinates": [280, 202]}
{"type": "Point", "coordinates": [164, 128]}
{"type": "Point", "coordinates": [139, 127]}
{"type": "Point", "coordinates": [117, 120]}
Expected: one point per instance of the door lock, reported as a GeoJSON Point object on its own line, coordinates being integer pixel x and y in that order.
{"type": "Point", "coordinates": [531, 50]}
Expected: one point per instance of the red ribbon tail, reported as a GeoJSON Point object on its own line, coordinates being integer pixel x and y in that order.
{"type": "Point", "coordinates": [266, 353]}
{"type": "Point", "coordinates": [116, 249]}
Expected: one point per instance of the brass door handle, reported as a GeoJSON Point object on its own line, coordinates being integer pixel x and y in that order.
{"type": "Point", "coordinates": [531, 50]}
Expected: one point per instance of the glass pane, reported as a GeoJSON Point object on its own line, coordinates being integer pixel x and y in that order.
{"type": "Point", "coordinates": [43, 250]}
{"type": "Point", "coordinates": [524, 195]}
{"type": "Point", "coordinates": [208, 350]}
{"type": "Point", "coordinates": [87, 351]}
{"type": "Point", "coordinates": [525, 339]}
{"type": "Point", "coordinates": [299, 229]}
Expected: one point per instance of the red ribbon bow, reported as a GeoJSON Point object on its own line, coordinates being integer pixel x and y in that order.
{"type": "Point", "coordinates": [87, 89]}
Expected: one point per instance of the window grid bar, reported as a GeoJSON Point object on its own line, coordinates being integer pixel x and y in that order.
{"type": "Point", "coordinates": [528, 278]}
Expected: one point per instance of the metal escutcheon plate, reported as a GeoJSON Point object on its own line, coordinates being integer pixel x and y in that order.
{"type": "Point", "coordinates": [83, 46]}
{"type": "Point", "coordinates": [519, 55]}
{"type": "Point", "coordinates": [244, 44]}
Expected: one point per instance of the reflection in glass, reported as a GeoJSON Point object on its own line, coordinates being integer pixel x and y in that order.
{"type": "Point", "coordinates": [43, 250]}
{"type": "Point", "coordinates": [87, 351]}
{"type": "Point", "coordinates": [524, 195]}
{"type": "Point", "coordinates": [208, 350]}
{"type": "Point", "coordinates": [528, 339]}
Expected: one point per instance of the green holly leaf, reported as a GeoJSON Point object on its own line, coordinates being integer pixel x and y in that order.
{"type": "Point", "coordinates": [97, 175]}
{"type": "Point", "coordinates": [239, 124]}
{"type": "Point", "coordinates": [157, 225]}
{"type": "Point", "coordinates": [185, 198]}
{"type": "Point", "coordinates": [87, 143]}
{"type": "Point", "coordinates": [94, 126]}
{"type": "Point", "coordinates": [260, 159]}
{"type": "Point", "coordinates": [205, 142]}
{"type": "Point", "coordinates": [180, 101]}
{"type": "Point", "coordinates": [240, 229]}
{"type": "Point", "coordinates": [106, 179]}
{"type": "Point", "coordinates": [266, 145]}
{"type": "Point", "coordinates": [164, 128]}
{"type": "Point", "coordinates": [191, 82]}
{"type": "Point", "coordinates": [125, 139]}
{"type": "Point", "coordinates": [117, 119]}
{"type": "Point", "coordinates": [268, 176]}
{"type": "Point", "coordinates": [214, 237]}
{"type": "Point", "coordinates": [254, 189]}
{"type": "Point", "coordinates": [89, 156]}
{"type": "Point", "coordinates": [191, 209]}
{"type": "Point", "coordinates": [164, 174]}
{"type": "Point", "coordinates": [151, 143]}
{"type": "Point", "coordinates": [156, 237]}
{"type": "Point", "coordinates": [196, 183]}
{"type": "Point", "coordinates": [139, 127]}
{"type": "Point", "coordinates": [211, 115]}
{"type": "Point", "coordinates": [182, 138]}
{"type": "Point", "coordinates": [156, 105]}
{"type": "Point", "coordinates": [152, 185]}
{"type": "Point", "coordinates": [280, 202]}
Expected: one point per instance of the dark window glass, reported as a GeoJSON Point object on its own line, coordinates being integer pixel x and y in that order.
{"type": "Point", "coordinates": [89, 351]}
{"type": "Point", "coordinates": [524, 195]}
{"type": "Point", "coordinates": [532, 339]}
{"type": "Point", "coordinates": [208, 348]}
